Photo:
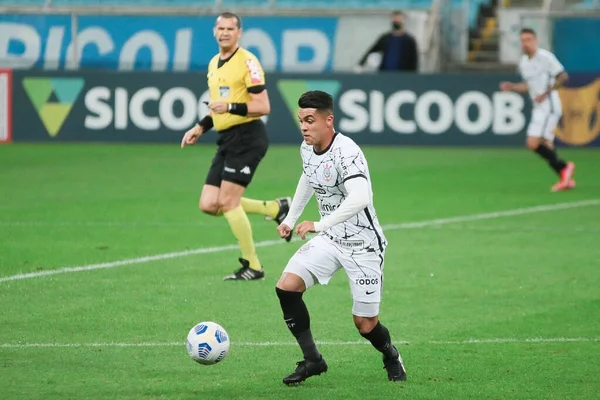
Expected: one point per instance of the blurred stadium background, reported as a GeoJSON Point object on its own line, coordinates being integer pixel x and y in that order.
{"type": "Point", "coordinates": [476, 40]}
{"type": "Point", "coordinates": [106, 262]}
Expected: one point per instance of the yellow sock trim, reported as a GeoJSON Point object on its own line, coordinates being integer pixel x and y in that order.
{"type": "Point", "coordinates": [268, 208]}
{"type": "Point", "coordinates": [240, 226]}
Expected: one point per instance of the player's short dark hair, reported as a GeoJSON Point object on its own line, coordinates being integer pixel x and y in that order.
{"type": "Point", "coordinates": [528, 30]}
{"type": "Point", "coordinates": [318, 99]}
{"type": "Point", "coordinates": [398, 12]}
{"type": "Point", "coordinates": [230, 15]}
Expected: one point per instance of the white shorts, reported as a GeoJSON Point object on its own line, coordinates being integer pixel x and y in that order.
{"type": "Point", "coordinates": [542, 124]}
{"type": "Point", "coordinates": [320, 258]}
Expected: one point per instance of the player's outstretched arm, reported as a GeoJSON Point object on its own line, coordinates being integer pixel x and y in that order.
{"type": "Point", "coordinates": [520, 87]}
{"type": "Point", "coordinates": [357, 199]}
{"type": "Point", "coordinates": [301, 197]}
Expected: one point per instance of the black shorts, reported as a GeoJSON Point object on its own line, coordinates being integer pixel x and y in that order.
{"type": "Point", "coordinates": [240, 150]}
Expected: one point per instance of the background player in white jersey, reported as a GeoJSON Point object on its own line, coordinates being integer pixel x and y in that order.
{"type": "Point", "coordinates": [350, 237]}
{"type": "Point", "coordinates": [542, 74]}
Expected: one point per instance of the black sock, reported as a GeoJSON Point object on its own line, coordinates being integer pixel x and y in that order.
{"type": "Point", "coordinates": [380, 339]}
{"type": "Point", "coordinates": [550, 155]}
{"type": "Point", "coordinates": [297, 319]}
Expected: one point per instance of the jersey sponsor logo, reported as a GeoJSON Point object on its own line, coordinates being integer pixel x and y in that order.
{"type": "Point", "coordinates": [319, 190]}
{"type": "Point", "coordinates": [367, 281]}
{"type": "Point", "coordinates": [348, 243]}
{"type": "Point", "coordinates": [329, 207]}
{"type": "Point", "coordinates": [344, 167]}
{"type": "Point", "coordinates": [254, 70]}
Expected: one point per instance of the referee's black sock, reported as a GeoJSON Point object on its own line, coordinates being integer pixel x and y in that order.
{"type": "Point", "coordinates": [550, 155]}
{"type": "Point", "coordinates": [380, 339]}
{"type": "Point", "coordinates": [297, 319]}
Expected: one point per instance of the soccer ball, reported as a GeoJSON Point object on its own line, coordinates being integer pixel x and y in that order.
{"type": "Point", "coordinates": [207, 343]}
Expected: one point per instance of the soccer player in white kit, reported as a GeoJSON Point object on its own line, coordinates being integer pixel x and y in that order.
{"type": "Point", "coordinates": [543, 74]}
{"type": "Point", "coordinates": [349, 237]}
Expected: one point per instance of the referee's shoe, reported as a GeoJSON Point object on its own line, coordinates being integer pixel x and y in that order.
{"type": "Point", "coordinates": [245, 273]}
{"type": "Point", "coordinates": [284, 209]}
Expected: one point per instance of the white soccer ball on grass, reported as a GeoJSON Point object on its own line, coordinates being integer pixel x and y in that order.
{"type": "Point", "coordinates": [207, 343]}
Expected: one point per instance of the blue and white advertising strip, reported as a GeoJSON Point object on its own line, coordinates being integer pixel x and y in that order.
{"type": "Point", "coordinates": [424, 110]}
{"type": "Point", "coordinates": [160, 43]}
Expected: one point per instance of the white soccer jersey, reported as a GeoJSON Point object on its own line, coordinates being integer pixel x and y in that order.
{"type": "Point", "coordinates": [540, 72]}
{"type": "Point", "coordinates": [326, 173]}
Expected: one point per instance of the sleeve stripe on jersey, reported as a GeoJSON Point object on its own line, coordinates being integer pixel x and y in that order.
{"type": "Point", "coordinates": [256, 89]}
{"type": "Point", "coordinates": [354, 176]}
{"type": "Point", "coordinates": [368, 214]}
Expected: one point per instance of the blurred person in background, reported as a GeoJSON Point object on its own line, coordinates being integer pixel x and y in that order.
{"type": "Point", "coordinates": [398, 48]}
{"type": "Point", "coordinates": [542, 75]}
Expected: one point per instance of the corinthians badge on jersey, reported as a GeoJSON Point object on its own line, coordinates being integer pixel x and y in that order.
{"type": "Point", "coordinates": [327, 172]}
{"type": "Point", "coordinates": [580, 123]}
{"type": "Point", "coordinates": [305, 248]}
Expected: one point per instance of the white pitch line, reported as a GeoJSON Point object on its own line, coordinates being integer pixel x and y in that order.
{"type": "Point", "coordinates": [218, 249]}
{"type": "Point", "coordinates": [495, 215]}
{"type": "Point", "coordinates": [169, 344]}
{"type": "Point", "coordinates": [323, 343]}
{"type": "Point", "coordinates": [130, 261]}
{"type": "Point", "coordinates": [107, 224]}
{"type": "Point", "coordinates": [521, 229]}
{"type": "Point", "coordinates": [516, 340]}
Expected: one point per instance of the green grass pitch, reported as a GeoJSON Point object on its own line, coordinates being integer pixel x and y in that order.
{"type": "Point", "coordinates": [482, 306]}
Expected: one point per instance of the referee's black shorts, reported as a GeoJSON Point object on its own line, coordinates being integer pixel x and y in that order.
{"type": "Point", "coordinates": [240, 150]}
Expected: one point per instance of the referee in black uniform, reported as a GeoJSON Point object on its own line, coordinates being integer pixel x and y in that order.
{"type": "Point", "coordinates": [238, 98]}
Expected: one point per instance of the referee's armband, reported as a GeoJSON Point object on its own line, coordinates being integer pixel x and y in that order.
{"type": "Point", "coordinates": [206, 123]}
{"type": "Point", "coordinates": [238, 109]}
